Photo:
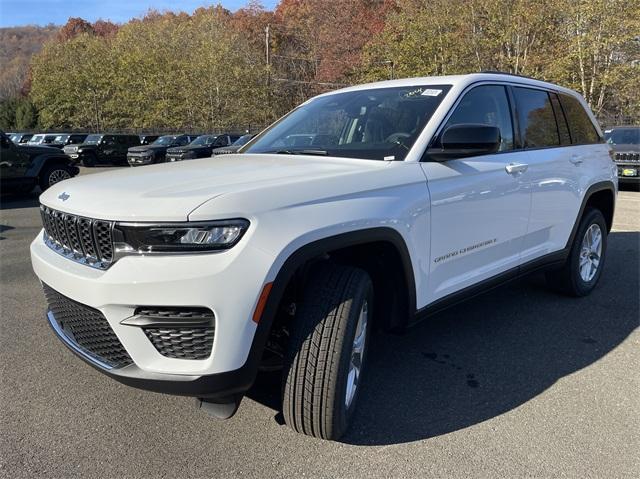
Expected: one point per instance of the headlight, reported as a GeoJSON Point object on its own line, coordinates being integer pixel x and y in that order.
{"type": "Point", "coordinates": [179, 237]}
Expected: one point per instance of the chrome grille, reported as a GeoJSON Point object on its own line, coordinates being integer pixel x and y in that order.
{"type": "Point", "coordinates": [81, 239]}
{"type": "Point", "coordinates": [628, 157]}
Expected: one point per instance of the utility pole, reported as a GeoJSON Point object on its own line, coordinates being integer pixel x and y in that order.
{"type": "Point", "coordinates": [267, 39]}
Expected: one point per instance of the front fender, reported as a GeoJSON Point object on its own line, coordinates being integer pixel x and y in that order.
{"type": "Point", "coordinates": [40, 161]}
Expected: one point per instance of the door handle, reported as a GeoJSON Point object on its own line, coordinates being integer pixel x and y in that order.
{"type": "Point", "coordinates": [576, 160]}
{"type": "Point", "coordinates": [514, 168]}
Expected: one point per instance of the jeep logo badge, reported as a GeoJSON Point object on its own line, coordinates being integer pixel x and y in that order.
{"type": "Point", "coordinates": [64, 196]}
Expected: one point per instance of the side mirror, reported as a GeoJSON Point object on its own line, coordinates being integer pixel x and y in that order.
{"type": "Point", "coordinates": [465, 140]}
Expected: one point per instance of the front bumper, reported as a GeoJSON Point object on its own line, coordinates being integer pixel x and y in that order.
{"type": "Point", "coordinates": [178, 157]}
{"type": "Point", "coordinates": [628, 173]}
{"type": "Point", "coordinates": [139, 160]}
{"type": "Point", "coordinates": [228, 283]}
{"type": "Point", "coordinates": [220, 385]}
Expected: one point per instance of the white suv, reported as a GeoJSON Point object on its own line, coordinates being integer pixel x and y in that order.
{"type": "Point", "coordinates": [371, 206]}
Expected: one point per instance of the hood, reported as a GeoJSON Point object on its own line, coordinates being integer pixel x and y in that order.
{"type": "Point", "coordinates": [85, 146]}
{"type": "Point", "coordinates": [626, 148]}
{"type": "Point", "coordinates": [143, 148]}
{"type": "Point", "coordinates": [224, 150]}
{"type": "Point", "coordinates": [184, 149]}
{"type": "Point", "coordinates": [34, 150]}
{"type": "Point", "coordinates": [171, 191]}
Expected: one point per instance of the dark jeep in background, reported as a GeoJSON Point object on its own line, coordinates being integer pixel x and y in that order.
{"type": "Point", "coordinates": [18, 138]}
{"type": "Point", "coordinates": [102, 148]}
{"type": "Point", "coordinates": [156, 151]}
{"type": "Point", "coordinates": [625, 143]}
{"type": "Point", "coordinates": [64, 139]}
{"type": "Point", "coordinates": [148, 139]}
{"type": "Point", "coordinates": [201, 147]}
{"type": "Point", "coordinates": [24, 167]}
{"type": "Point", "coordinates": [42, 139]}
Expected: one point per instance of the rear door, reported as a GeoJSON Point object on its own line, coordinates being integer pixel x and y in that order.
{"type": "Point", "coordinates": [558, 170]}
{"type": "Point", "coordinates": [479, 205]}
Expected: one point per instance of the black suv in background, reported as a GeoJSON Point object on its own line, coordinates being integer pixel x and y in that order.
{"type": "Point", "coordinates": [156, 151]}
{"type": "Point", "coordinates": [625, 143]}
{"type": "Point", "coordinates": [65, 139]}
{"type": "Point", "coordinates": [43, 139]}
{"type": "Point", "coordinates": [102, 148]}
{"type": "Point", "coordinates": [24, 167]}
{"type": "Point", "coordinates": [19, 138]}
{"type": "Point", "coordinates": [201, 147]}
{"type": "Point", "coordinates": [234, 147]}
{"type": "Point", "coordinates": [148, 139]}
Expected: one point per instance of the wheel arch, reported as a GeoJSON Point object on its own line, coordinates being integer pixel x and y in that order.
{"type": "Point", "coordinates": [40, 162]}
{"type": "Point", "coordinates": [601, 195]}
{"type": "Point", "coordinates": [369, 249]}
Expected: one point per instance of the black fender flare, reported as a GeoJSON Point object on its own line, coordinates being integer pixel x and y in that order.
{"type": "Point", "coordinates": [38, 163]}
{"type": "Point", "coordinates": [314, 250]}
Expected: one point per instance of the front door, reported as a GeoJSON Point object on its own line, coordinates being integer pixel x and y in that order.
{"type": "Point", "coordinates": [479, 205]}
{"type": "Point", "coordinates": [13, 162]}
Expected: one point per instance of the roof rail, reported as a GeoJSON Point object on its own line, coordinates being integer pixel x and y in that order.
{"type": "Point", "coordinates": [496, 72]}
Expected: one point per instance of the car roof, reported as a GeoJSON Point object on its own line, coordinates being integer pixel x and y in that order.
{"type": "Point", "coordinates": [454, 80]}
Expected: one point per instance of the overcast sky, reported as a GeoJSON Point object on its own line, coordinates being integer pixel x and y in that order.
{"type": "Point", "coordinates": [43, 12]}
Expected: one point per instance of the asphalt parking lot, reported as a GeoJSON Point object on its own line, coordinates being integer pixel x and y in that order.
{"type": "Point", "coordinates": [520, 382]}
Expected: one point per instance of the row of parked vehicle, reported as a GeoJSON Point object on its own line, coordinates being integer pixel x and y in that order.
{"type": "Point", "coordinates": [133, 150]}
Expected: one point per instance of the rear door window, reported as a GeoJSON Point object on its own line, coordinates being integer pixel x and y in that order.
{"type": "Point", "coordinates": [582, 130]}
{"type": "Point", "coordinates": [537, 118]}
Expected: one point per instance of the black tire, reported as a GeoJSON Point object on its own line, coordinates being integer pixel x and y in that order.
{"type": "Point", "coordinates": [52, 174]}
{"type": "Point", "coordinates": [319, 355]}
{"type": "Point", "coordinates": [568, 280]}
{"type": "Point", "coordinates": [89, 161]}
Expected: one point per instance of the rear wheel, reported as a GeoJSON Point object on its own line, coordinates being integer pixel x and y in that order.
{"type": "Point", "coordinates": [327, 351]}
{"type": "Point", "coordinates": [53, 174]}
{"type": "Point", "coordinates": [581, 272]}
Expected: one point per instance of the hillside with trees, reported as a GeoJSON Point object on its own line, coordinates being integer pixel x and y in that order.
{"type": "Point", "coordinates": [218, 69]}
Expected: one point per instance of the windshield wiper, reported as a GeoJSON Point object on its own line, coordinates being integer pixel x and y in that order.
{"type": "Point", "coordinates": [300, 152]}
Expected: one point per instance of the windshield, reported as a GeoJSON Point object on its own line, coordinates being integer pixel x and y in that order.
{"type": "Point", "coordinates": [164, 140]}
{"type": "Point", "coordinates": [243, 140]}
{"type": "Point", "coordinates": [376, 124]}
{"type": "Point", "coordinates": [36, 139]}
{"type": "Point", "coordinates": [61, 138]}
{"type": "Point", "coordinates": [93, 139]}
{"type": "Point", "coordinates": [204, 140]}
{"type": "Point", "coordinates": [15, 138]}
{"type": "Point", "coordinates": [623, 136]}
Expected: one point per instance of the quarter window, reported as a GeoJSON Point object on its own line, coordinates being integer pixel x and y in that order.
{"type": "Point", "coordinates": [582, 130]}
{"type": "Point", "coordinates": [537, 120]}
{"type": "Point", "coordinates": [563, 129]}
{"type": "Point", "coordinates": [486, 105]}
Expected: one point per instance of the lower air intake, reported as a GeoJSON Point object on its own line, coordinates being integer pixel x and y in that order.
{"type": "Point", "coordinates": [182, 342]}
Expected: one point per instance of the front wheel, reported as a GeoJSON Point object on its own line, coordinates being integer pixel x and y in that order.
{"type": "Point", "coordinates": [583, 268]}
{"type": "Point", "coordinates": [89, 161]}
{"type": "Point", "coordinates": [327, 351]}
{"type": "Point", "coordinates": [53, 174]}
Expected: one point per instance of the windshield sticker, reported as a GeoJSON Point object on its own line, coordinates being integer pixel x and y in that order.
{"type": "Point", "coordinates": [431, 92]}
{"type": "Point", "coordinates": [389, 158]}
